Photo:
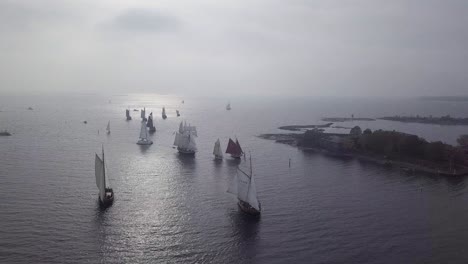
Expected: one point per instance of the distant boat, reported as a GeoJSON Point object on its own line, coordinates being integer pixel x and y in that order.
{"type": "Point", "coordinates": [85, 122]}
{"type": "Point", "coordinates": [150, 124]}
{"type": "Point", "coordinates": [164, 116]}
{"type": "Point", "coordinates": [135, 110]}
{"type": "Point", "coordinates": [144, 136]}
{"type": "Point", "coordinates": [108, 128]}
{"type": "Point", "coordinates": [185, 139]}
{"type": "Point", "coordinates": [30, 108]}
{"type": "Point", "coordinates": [228, 106]}
{"type": "Point", "coordinates": [106, 194]}
{"type": "Point", "coordinates": [143, 114]}
{"type": "Point", "coordinates": [234, 149]}
{"type": "Point", "coordinates": [217, 152]}
{"type": "Point", "coordinates": [183, 101]}
{"type": "Point", "coordinates": [127, 114]}
{"type": "Point", "coordinates": [243, 186]}
{"type": "Point", "coordinates": [5, 133]}
{"type": "Point", "coordinates": [177, 112]}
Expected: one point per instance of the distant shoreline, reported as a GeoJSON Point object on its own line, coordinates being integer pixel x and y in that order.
{"type": "Point", "coordinates": [443, 120]}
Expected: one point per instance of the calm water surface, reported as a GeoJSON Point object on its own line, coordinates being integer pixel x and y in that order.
{"type": "Point", "coordinates": [174, 209]}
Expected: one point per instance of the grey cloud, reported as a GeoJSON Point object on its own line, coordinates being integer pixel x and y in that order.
{"type": "Point", "coordinates": [145, 20]}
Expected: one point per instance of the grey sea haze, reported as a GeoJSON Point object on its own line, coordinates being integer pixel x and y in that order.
{"type": "Point", "coordinates": [174, 209]}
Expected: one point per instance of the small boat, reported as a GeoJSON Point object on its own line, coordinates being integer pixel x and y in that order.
{"type": "Point", "coordinates": [217, 152]}
{"type": "Point", "coordinates": [183, 101]}
{"type": "Point", "coordinates": [177, 112]}
{"type": "Point", "coordinates": [164, 116]}
{"type": "Point", "coordinates": [30, 108]}
{"type": "Point", "coordinates": [243, 186]}
{"type": "Point", "coordinates": [144, 135]}
{"type": "Point", "coordinates": [127, 114]}
{"type": "Point", "coordinates": [143, 114]}
{"type": "Point", "coordinates": [150, 124]}
{"type": "Point", "coordinates": [135, 110]}
{"type": "Point", "coordinates": [106, 194]}
{"type": "Point", "coordinates": [85, 122]}
{"type": "Point", "coordinates": [228, 106]}
{"type": "Point", "coordinates": [234, 149]}
{"type": "Point", "coordinates": [108, 128]}
{"type": "Point", "coordinates": [5, 133]}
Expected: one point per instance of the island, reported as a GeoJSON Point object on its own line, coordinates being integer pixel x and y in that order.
{"type": "Point", "coordinates": [389, 148]}
{"type": "Point", "coordinates": [443, 120]}
{"type": "Point", "coordinates": [302, 127]}
{"type": "Point", "coordinates": [345, 119]}
{"type": "Point", "coordinates": [445, 98]}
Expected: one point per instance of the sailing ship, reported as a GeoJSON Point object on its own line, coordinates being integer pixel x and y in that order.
{"type": "Point", "coordinates": [217, 152]}
{"type": "Point", "coordinates": [143, 114]}
{"type": "Point", "coordinates": [234, 149]}
{"type": "Point", "coordinates": [228, 106]}
{"type": "Point", "coordinates": [185, 139]}
{"type": "Point", "coordinates": [243, 186]}
{"type": "Point", "coordinates": [164, 116]}
{"type": "Point", "coordinates": [144, 136]}
{"type": "Point", "coordinates": [106, 194]}
{"type": "Point", "coordinates": [150, 124]}
{"type": "Point", "coordinates": [127, 114]}
{"type": "Point", "coordinates": [108, 128]}
{"type": "Point", "coordinates": [177, 112]}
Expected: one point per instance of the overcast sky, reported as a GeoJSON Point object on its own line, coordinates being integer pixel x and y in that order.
{"type": "Point", "coordinates": [274, 47]}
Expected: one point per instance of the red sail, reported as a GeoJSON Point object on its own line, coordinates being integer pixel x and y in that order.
{"type": "Point", "coordinates": [232, 148]}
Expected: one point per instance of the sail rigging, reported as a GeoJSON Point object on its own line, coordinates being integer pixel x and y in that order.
{"type": "Point", "coordinates": [100, 173]}
{"type": "Point", "coordinates": [243, 186]}
{"type": "Point", "coordinates": [217, 149]}
{"type": "Point", "coordinates": [234, 148]}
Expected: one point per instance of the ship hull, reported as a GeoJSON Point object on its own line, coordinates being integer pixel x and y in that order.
{"type": "Point", "coordinates": [186, 151]}
{"type": "Point", "coordinates": [144, 142]}
{"type": "Point", "coordinates": [247, 209]}
{"type": "Point", "coordinates": [108, 198]}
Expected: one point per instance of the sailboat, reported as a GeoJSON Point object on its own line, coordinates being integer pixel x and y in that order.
{"type": "Point", "coordinates": [177, 112]}
{"type": "Point", "coordinates": [234, 149]}
{"type": "Point", "coordinates": [144, 136]}
{"type": "Point", "coordinates": [108, 128]}
{"type": "Point", "coordinates": [150, 124]}
{"type": "Point", "coordinates": [185, 139]}
{"type": "Point", "coordinates": [164, 116]}
{"type": "Point", "coordinates": [217, 152]}
{"type": "Point", "coordinates": [243, 186]}
{"type": "Point", "coordinates": [228, 106]}
{"type": "Point", "coordinates": [106, 194]}
{"type": "Point", "coordinates": [143, 114]}
{"type": "Point", "coordinates": [127, 114]}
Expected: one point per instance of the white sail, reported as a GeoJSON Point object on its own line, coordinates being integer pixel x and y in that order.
{"type": "Point", "coordinates": [252, 196]}
{"type": "Point", "coordinates": [143, 132]}
{"type": "Point", "coordinates": [100, 176]}
{"type": "Point", "coordinates": [108, 127]}
{"type": "Point", "coordinates": [192, 145]}
{"type": "Point", "coordinates": [217, 149]}
{"type": "Point", "coordinates": [181, 127]}
{"type": "Point", "coordinates": [176, 139]}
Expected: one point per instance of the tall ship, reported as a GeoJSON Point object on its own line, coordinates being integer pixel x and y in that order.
{"type": "Point", "coordinates": [106, 194]}
{"type": "Point", "coordinates": [243, 186]}
{"type": "Point", "coordinates": [144, 140]}
{"type": "Point", "coordinates": [127, 114]}
{"type": "Point", "coordinates": [217, 152]}
{"type": "Point", "coordinates": [164, 116]}
{"type": "Point", "coordinates": [234, 149]}
{"type": "Point", "coordinates": [185, 139]}
{"type": "Point", "coordinates": [150, 124]}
